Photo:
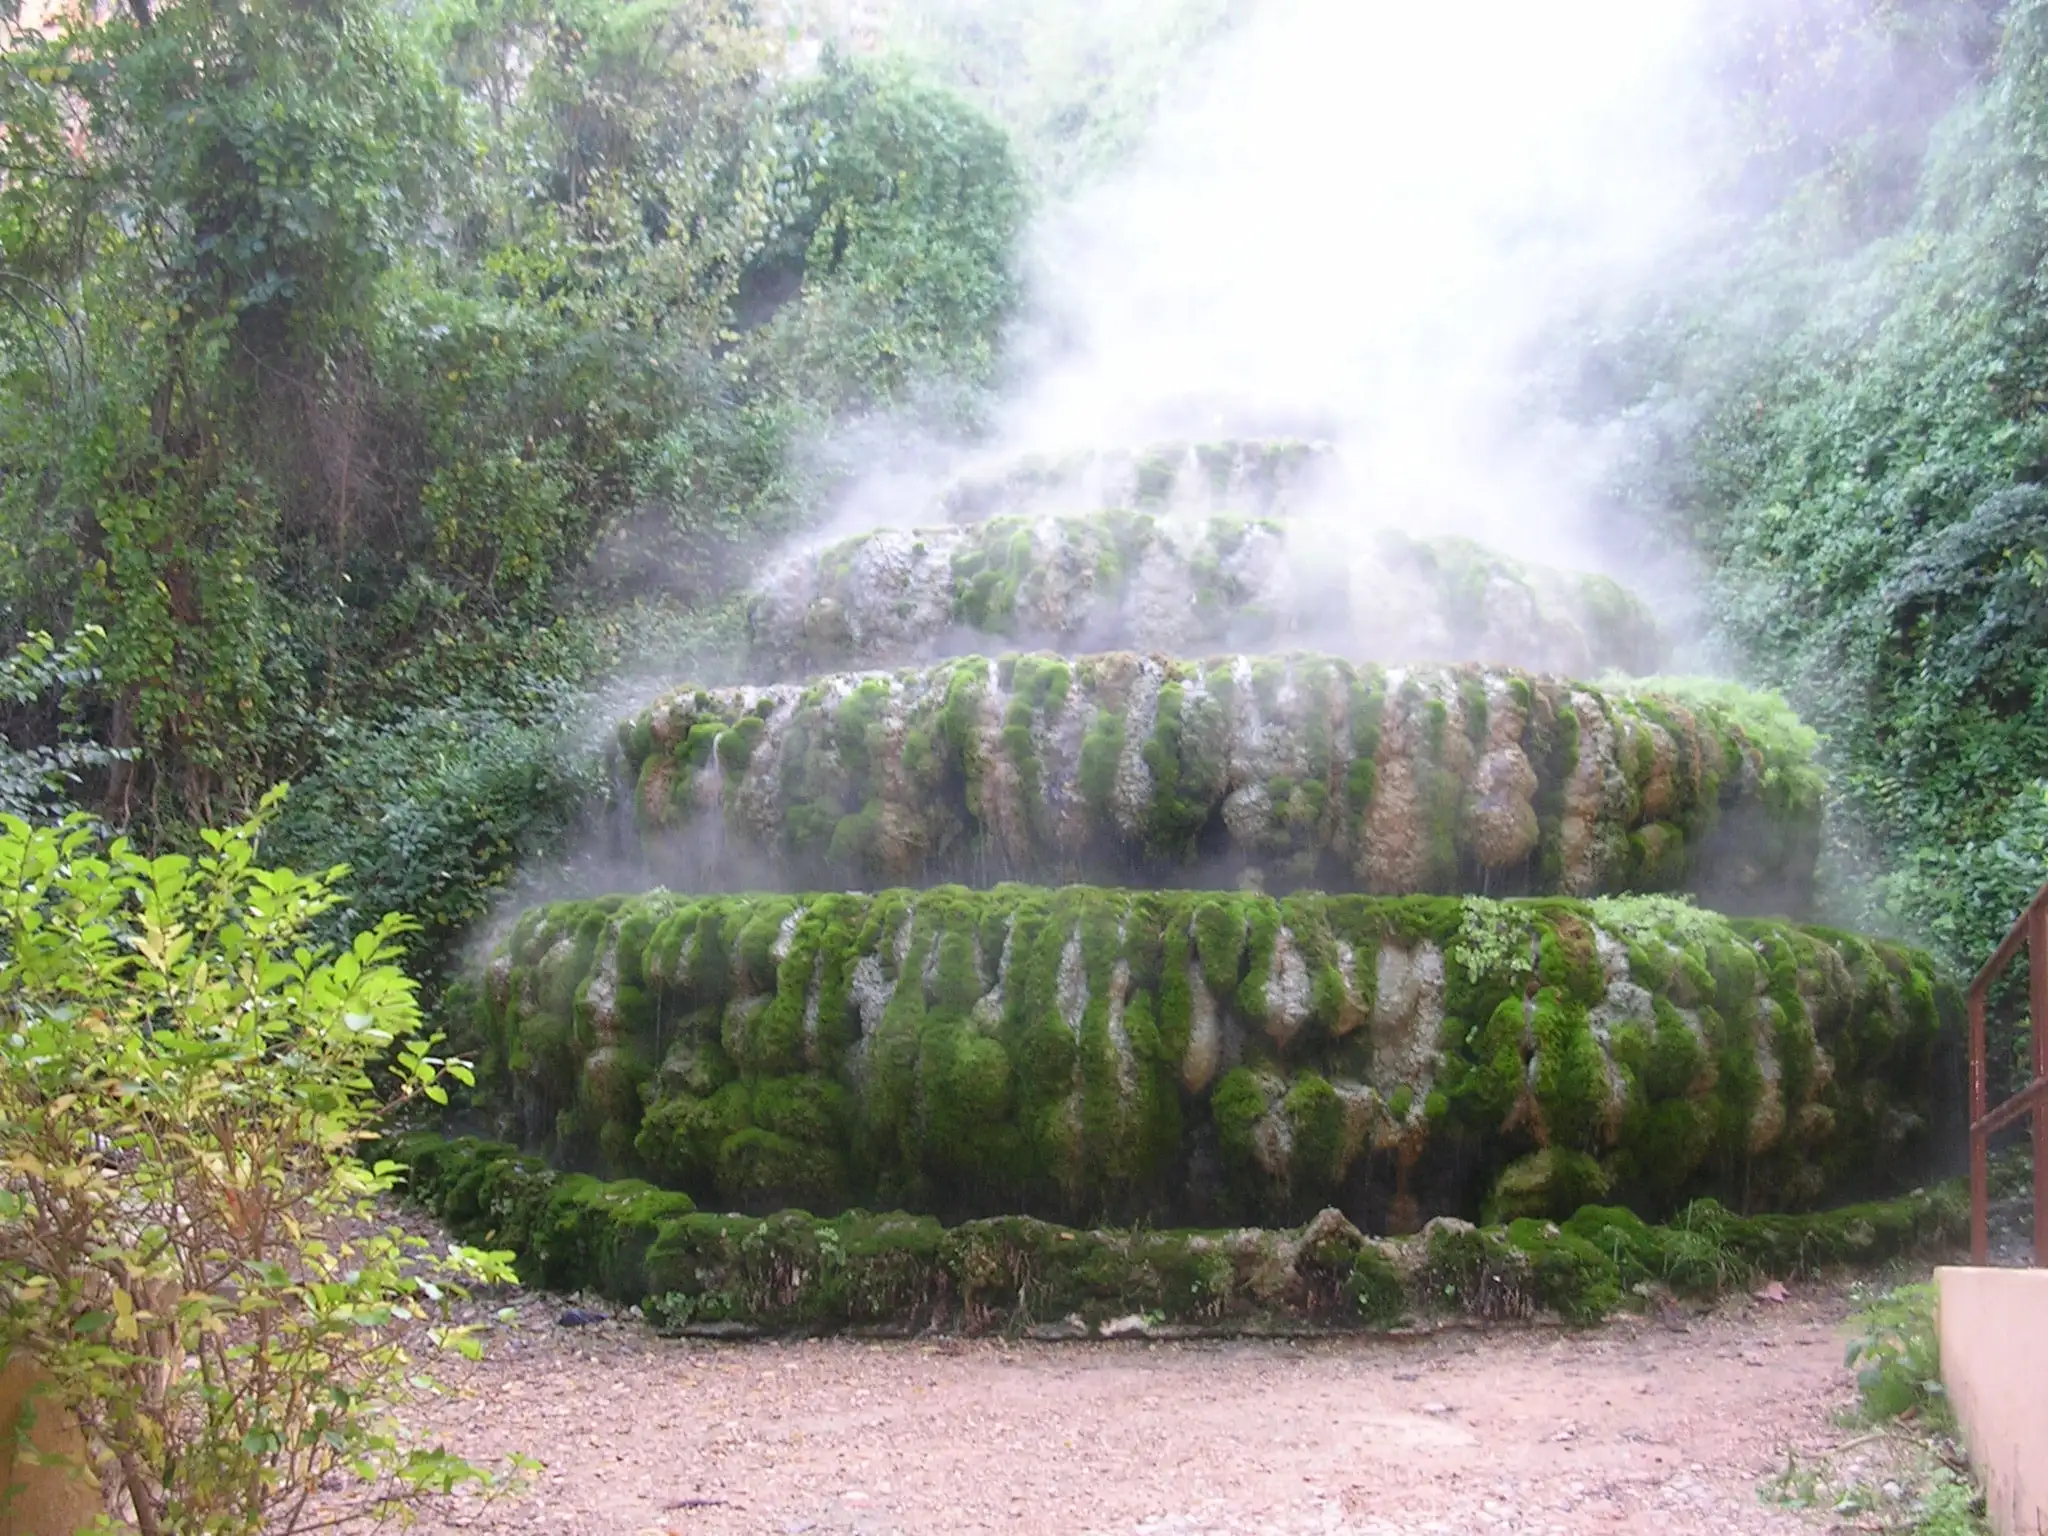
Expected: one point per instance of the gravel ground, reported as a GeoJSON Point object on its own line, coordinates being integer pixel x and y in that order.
{"type": "Point", "coordinates": [1664, 1426]}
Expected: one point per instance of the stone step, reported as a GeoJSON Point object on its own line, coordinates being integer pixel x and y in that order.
{"type": "Point", "coordinates": [1246, 476]}
{"type": "Point", "coordinates": [1188, 586]}
{"type": "Point", "coordinates": [1095, 1054]}
{"type": "Point", "coordinates": [1280, 772]}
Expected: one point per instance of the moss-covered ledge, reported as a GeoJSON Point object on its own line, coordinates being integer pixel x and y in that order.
{"type": "Point", "coordinates": [1276, 772]}
{"type": "Point", "coordinates": [793, 1272]}
{"type": "Point", "coordinates": [1193, 1057]}
{"type": "Point", "coordinates": [1186, 585]}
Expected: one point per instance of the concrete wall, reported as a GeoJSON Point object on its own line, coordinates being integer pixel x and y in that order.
{"type": "Point", "coordinates": [1994, 1362]}
{"type": "Point", "coordinates": [40, 1498]}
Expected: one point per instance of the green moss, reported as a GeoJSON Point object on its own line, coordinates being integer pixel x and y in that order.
{"type": "Point", "coordinates": [1102, 750]}
{"type": "Point", "coordinates": [1569, 1072]}
{"type": "Point", "coordinates": [1376, 1290]}
{"type": "Point", "coordinates": [1636, 1250]}
{"type": "Point", "coordinates": [1236, 1107]}
{"type": "Point", "coordinates": [681, 1135]}
{"type": "Point", "coordinates": [1571, 1276]}
{"type": "Point", "coordinates": [1567, 957]}
{"type": "Point", "coordinates": [759, 1170]}
{"type": "Point", "coordinates": [1470, 1270]}
{"type": "Point", "coordinates": [1175, 1012]}
{"type": "Point", "coordinates": [1483, 1071]}
{"type": "Point", "coordinates": [1187, 773]}
{"type": "Point", "coordinates": [1550, 1184]}
{"type": "Point", "coordinates": [1669, 1061]}
{"type": "Point", "coordinates": [1269, 676]}
{"type": "Point", "coordinates": [1472, 701]}
{"type": "Point", "coordinates": [1663, 1145]}
{"type": "Point", "coordinates": [635, 1244]}
{"type": "Point", "coordinates": [1552, 742]}
{"type": "Point", "coordinates": [1068, 1098]}
{"type": "Point", "coordinates": [805, 1109]}
{"type": "Point", "coordinates": [1262, 936]}
{"type": "Point", "coordinates": [1315, 1115]}
{"type": "Point", "coordinates": [696, 749]}
{"type": "Point", "coordinates": [736, 747]}
{"type": "Point", "coordinates": [1367, 710]}
{"type": "Point", "coordinates": [1220, 925]}
{"type": "Point", "coordinates": [880, 779]}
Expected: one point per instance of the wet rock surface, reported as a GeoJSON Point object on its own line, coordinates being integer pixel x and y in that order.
{"type": "Point", "coordinates": [1251, 477]}
{"type": "Point", "coordinates": [1183, 586]}
{"type": "Point", "coordinates": [1277, 772]}
{"type": "Point", "coordinates": [1088, 1053]}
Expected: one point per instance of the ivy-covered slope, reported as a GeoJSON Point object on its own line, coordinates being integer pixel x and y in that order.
{"type": "Point", "coordinates": [1869, 488]}
{"type": "Point", "coordinates": [1091, 1053]}
{"type": "Point", "coordinates": [1282, 771]}
{"type": "Point", "coordinates": [1186, 585]}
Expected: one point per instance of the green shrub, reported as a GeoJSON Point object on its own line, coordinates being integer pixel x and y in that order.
{"type": "Point", "coordinates": [215, 1318]}
{"type": "Point", "coordinates": [1896, 1355]}
{"type": "Point", "coordinates": [433, 813]}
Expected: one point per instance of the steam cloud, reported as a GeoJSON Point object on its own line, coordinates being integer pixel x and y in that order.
{"type": "Point", "coordinates": [1360, 221]}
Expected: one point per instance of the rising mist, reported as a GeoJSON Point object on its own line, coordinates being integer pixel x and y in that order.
{"type": "Point", "coordinates": [1364, 223]}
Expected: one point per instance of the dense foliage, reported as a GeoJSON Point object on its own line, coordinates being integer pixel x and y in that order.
{"type": "Point", "coordinates": [1867, 494]}
{"type": "Point", "coordinates": [1076, 81]}
{"type": "Point", "coordinates": [350, 394]}
{"type": "Point", "coordinates": [1846, 423]}
{"type": "Point", "coordinates": [188, 1248]}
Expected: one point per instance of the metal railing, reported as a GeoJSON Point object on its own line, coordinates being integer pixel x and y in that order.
{"type": "Point", "coordinates": [2029, 933]}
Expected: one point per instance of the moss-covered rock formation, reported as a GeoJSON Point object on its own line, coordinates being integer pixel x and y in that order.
{"type": "Point", "coordinates": [1278, 771]}
{"type": "Point", "coordinates": [899, 1273]}
{"type": "Point", "coordinates": [1246, 477]}
{"type": "Point", "coordinates": [1185, 586]}
{"type": "Point", "coordinates": [1088, 1053]}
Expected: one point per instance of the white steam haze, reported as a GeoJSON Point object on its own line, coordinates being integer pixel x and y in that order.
{"type": "Point", "coordinates": [1357, 220]}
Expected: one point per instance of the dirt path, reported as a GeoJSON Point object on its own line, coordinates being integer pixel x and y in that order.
{"type": "Point", "coordinates": [1643, 1426]}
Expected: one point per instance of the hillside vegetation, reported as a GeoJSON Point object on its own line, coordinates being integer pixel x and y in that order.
{"type": "Point", "coordinates": [373, 381]}
{"type": "Point", "coordinates": [329, 373]}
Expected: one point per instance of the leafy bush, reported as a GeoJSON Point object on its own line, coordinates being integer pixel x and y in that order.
{"type": "Point", "coordinates": [432, 813]}
{"type": "Point", "coordinates": [187, 1236]}
{"type": "Point", "coordinates": [898, 236]}
{"type": "Point", "coordinates": [414, 333]}
{"type": "Point", "coordinates": [1897, 1356]}
{"type": "Point", "coordinates": [1077, 83]}
{"type": "Point", "coordinates": [43, 676]}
